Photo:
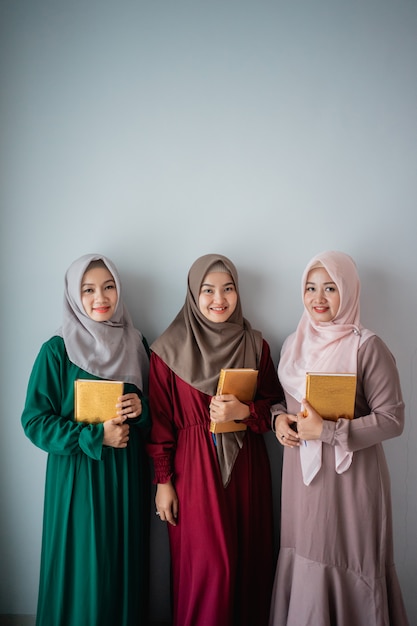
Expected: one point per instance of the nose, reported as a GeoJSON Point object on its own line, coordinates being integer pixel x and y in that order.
{"type": "Point", "coordinates": [100, 295]}
{"type": "Point", "coordinates": [218, 296]}
{"type": "Point", "coordinates": [321, 296]}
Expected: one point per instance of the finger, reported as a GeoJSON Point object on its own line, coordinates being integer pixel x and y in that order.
{"type": "Point", "coordinates": [165, 515]}
{"type": "Point", "coordinates": [128, 409]}
{"type": "Point", "coordinates": [288, 439]}
{"type": "Point", "coordinates": [171, 519]}
{"type": "Point", "coordinates": [127, 400]}
{"type": "Point", "coordinates": [118, 420]}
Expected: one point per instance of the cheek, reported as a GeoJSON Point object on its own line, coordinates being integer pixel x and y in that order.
{"type": "Point", "coordinates": [203, 303]}
{"type": "Point", "coordinates": [233, 304]}
{"type": "Point", "coordinates": [336, 303]}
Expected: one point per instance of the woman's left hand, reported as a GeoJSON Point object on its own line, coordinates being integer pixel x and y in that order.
{"type": "Point", "coordinates": [129, 405]}
{"type": "Point", "coordinates": [309, 423]}
{"type": "Point", "coordinates": [226, 408]}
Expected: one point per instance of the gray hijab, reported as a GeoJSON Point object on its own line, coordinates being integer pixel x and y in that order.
{"type": "Point", "coordinates": [111, 350]}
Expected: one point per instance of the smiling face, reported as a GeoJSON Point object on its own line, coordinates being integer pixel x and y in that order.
{"type": "Point", "coordinates": [321, 295]}
{"type": "Point", "coordinates": [99, 293]}
{"type": "Point", "coordinates": [218, 297]}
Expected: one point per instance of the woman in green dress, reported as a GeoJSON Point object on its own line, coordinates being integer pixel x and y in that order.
{"type": "Point", "coordinates": [95, 560]}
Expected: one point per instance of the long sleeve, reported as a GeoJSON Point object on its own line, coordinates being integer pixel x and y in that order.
{"type": "Point", "coordinates": [46, 418]}
{"type": "Point", "coordinates": [379, 408]}
{"type": "Point", "coordinates": [269, 392]}
{"type": "Point", "coordinates": [48, 415]}
{"type": "Point", "coordinates": [162, 442]}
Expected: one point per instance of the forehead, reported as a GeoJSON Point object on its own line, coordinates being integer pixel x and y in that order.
{"type": "Point", "coordinates": [217, 278]}
{"type": "Point", "coordinates": [319, 275]}
{"type": "Point", "coordinates": [96, 275]}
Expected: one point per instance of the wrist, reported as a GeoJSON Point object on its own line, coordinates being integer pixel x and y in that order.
{"type": "Point", "coordinates": [275, 419]}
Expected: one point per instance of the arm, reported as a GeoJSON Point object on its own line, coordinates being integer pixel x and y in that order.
{"type": "Point", "coordinates": [134, 404]}
{"type": "Point", "coordinates": [379, 408]}
{"type": "Point", "coordinates": [135, 408]}
{"type": "Point", "coordinates": [162, 441]}
{"type": "Point", "coordinates": [257, 413]}
{"type": "Point", "coordinates": [48, 417]}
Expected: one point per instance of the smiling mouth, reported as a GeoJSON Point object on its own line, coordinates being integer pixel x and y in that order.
{"type": "Point", "coordinates": [102, 309]}
{"type": "Point", "coordinates": [321, 309]}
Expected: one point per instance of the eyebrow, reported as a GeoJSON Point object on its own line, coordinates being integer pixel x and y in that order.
{"type": "Point", "coordinates": [210, 285]}
{"type": "Point", "coordinates": [110, 280]}
{"type": "Point", "coordinates": [329, 282]}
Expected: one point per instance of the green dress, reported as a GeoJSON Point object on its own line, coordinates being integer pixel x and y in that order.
{"type": "Point", "coordinates": [95, 543]}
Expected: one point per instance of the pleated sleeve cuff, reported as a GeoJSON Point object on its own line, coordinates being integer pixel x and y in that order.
{"type": "Point", "coordinates": [163, 469]}
{"type": "Point", "coordinates": [335, 432]}
{"type": "Point", "coordinates": [91, 440]}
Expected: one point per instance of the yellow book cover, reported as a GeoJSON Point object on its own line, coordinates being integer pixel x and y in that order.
{"type": "Point", "coordinates": [332, 395]}
{"type": "Point", "coordinates": [240, 382]}
{"type": "Point", "coordinates": [95, 400]}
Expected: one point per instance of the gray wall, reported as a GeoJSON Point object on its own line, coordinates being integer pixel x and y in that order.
{"type": "Point", "coordinates": [158, 131]}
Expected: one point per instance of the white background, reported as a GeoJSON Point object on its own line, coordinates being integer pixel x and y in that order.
{"type": "Point", "coordinates": [154, 132]}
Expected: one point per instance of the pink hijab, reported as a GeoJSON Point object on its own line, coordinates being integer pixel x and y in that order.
{"type": "Point", "coordinates": [324, 346]}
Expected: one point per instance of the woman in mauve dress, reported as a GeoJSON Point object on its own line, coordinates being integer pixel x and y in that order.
{"type": "Point", "coordinates": [95, 545]}
{"type": "Point", "coordinates": [336, 564]}
{"type": "Point", "coordinates": [213, 490]}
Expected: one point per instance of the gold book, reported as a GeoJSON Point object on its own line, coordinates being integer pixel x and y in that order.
{"type": "Point", "coordinates": [240, 382]}
{"type": "Point", "coordinates": [95, 400]}
{"type": "Point", "coordinates": [332, 395]}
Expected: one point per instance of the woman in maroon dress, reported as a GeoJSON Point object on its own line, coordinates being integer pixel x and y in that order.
{"type": "Point", "coordinates": [213, 490]}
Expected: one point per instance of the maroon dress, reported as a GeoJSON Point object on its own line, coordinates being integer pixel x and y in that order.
{"type": "Point", "coordinates": [222, 545]}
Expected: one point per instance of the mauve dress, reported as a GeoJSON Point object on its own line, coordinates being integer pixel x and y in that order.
{"type": "Point", "coordinates": [336, 564]}
{"type": "Point", "coordinates": [222, 546]}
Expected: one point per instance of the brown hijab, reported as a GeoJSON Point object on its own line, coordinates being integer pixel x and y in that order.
{"type": "Point", "coordinates": [196, 349]}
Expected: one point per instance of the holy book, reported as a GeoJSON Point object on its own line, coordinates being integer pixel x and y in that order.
{"type": "Point", "coordinates": [95, 400]}
{"type": "Point", "coordinates": [240, 382]}
{"type": "Point", "coordinates": [332, 395]}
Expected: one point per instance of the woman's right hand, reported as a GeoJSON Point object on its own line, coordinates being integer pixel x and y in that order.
{"type": "Point", "coordinates": [166, 501]}
{"type": "Point", "coordinates": [116, 433]}
{"type": "Point", "coordinates": [283, 431]}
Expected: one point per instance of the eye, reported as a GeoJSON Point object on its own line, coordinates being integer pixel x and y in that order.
{"type": "Point", "coordinates": [311, 289]}
{"type": "Point", "coordinates": [110, 286]}
{"type": "Point", "coordinates": [87, 290]}
{"type": "Point", "coordinates": [229, 289]}
{"type": "Point", "coordinates": [331, 289]}
{"type": "Point", "coordinates": [207, 290]}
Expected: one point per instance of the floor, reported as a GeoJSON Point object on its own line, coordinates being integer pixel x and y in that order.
{"type": "Point", "coordinates": [29, 620]}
